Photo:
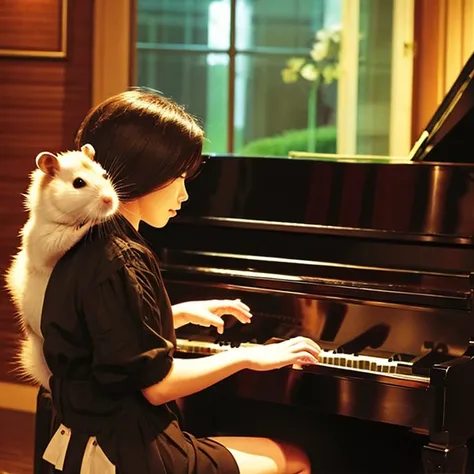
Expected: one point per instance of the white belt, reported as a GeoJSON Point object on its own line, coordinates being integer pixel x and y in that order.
{"type": "Point", "coordinates": [94, 460]}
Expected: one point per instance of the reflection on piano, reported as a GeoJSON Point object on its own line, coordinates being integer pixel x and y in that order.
{"type": "Point", "coordinates": [374, 261]}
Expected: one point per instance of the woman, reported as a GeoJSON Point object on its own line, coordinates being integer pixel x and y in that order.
{"type": "Point", "coordinates": [109, 326]}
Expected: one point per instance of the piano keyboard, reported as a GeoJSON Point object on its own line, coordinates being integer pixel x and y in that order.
{"type": "Point", "coordinates": [327, 358]}
{"type": "Point", "coordinates": [202, 347]}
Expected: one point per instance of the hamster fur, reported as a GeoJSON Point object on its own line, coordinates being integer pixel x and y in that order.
{"type": "Point", "coordinates": [67, 195]}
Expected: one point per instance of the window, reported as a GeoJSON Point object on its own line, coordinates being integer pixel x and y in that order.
{"type": "Point", "coordinates": [227, 61]}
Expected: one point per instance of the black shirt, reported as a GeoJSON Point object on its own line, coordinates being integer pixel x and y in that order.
{"type": "Point", "coordinates": [108, 333]}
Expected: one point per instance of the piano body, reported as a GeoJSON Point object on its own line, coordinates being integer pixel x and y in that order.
{"type": "Point", "coordinates": [374, 261]}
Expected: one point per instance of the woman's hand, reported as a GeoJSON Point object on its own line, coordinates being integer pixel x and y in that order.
{"type": "Point", "coordinates": [209, 313]}
{"type": "Point", "coordinates": [297, 351]}
{"type": "Point", "coordinates": [188, 376]}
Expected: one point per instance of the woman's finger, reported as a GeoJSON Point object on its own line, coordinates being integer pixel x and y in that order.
{"type": "Point", "coordinates": [233, 309]}
{"type": "Point", "coordinates": [306, 348]}
{"type": "Point", "coordinates": [219, 304]}
{"type": "Point", "coordinates": [300, 341]}
{"type": "Point", "coordinates": [241, 303]}
{"type": "Point", "coordinates": [209, 319]}
{"type": "Point", "coordinates": [305, 358]}
{"type": "Point", "coordinates": [299, 359]}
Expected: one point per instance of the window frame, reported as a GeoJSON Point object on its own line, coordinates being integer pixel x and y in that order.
{"type": "Point", "coordinates": [401, 82]}
{"type": "Point", "coordinates": [115, 59]}
{"type": "Point", "coordinates": [113, 48]}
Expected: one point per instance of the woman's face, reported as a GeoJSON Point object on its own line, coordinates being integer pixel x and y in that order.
{"type": "Point", "coordinates": [159, 206]}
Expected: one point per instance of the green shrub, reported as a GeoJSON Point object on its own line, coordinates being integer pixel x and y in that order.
{"type": "Point", "coordinates": [292, 140]}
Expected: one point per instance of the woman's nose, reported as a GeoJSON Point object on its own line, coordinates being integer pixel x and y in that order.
{"type": "Point", "coordinates": [184, 196]}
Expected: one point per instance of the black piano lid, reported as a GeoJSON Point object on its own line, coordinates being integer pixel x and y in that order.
{"type": "Point", "coordinates": [405, 201]}
{"type": "Point", "coordinates": [448, 135]}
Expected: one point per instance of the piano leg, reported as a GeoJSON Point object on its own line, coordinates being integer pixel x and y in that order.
{"type": "Point", "coordinates": [444, 459]}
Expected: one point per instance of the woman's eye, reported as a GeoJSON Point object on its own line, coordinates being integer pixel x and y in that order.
{"type": "Point", "coordinates": [78, 183]}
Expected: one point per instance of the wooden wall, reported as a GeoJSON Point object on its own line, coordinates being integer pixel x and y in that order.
{"type": "Point", "coordinates": [42, 101]}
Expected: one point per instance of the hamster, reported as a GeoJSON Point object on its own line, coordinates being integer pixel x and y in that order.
{"type": "Point", "coordinates": [67, 195]}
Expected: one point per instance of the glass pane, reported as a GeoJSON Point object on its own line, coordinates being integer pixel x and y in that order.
{"type": "Point", "coordinates": [196, 80]}
{"type": "Point", "coordinates": [282, 23]}
{"type": "Point", "coordinates": [374, 80]}
{"type": "Point", "coordinates": [184, 22]}
{"type": "Point", "coordinates": [271, 116]}
{"type": "Point", "coordinates": [277, 107]}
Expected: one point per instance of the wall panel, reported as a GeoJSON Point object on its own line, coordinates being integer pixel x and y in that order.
{"type": "Point", "coordinates": [42, 101]}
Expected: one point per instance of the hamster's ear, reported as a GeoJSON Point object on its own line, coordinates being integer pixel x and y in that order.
{"type": "Point", "coordinates": [48, 163]}
{"type": "Point", "coordinates": [88, 150]}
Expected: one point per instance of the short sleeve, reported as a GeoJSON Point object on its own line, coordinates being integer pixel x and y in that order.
{"type": "Point", "coordinates": [124, 324]}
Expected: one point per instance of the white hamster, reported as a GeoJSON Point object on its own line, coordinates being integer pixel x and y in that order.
{"type": "Point", "coordinates": [67, 195]}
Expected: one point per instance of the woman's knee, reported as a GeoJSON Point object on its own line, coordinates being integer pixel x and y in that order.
{"type": "Point", "coordinates": [266, 456]}
{"type": "Point", "coordinates": [297, 459]}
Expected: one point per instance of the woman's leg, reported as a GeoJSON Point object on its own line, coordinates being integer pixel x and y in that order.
{"type": "Point", "coordinates": [265, 456]}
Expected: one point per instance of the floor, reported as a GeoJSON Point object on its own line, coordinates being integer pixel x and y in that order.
{"type": "Point", "coordinates": [16, 442]}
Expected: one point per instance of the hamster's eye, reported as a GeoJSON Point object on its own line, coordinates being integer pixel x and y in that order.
{"type": "Point", "coordinates": [78, 183]}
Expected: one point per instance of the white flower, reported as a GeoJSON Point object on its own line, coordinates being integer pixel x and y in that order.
{"type": "Point", "coordinates": [309, 72]}
{"type": "Point", "coordinates": [323, 61]}
{"type": "Point", "coordinates": [319, 51]}
{"type": "Point", "coordinates": [295, 64]}
{"type": "Point", "coordinates": [335, 33]}
{"type": "Point", "coordinates": [322, 35]}
{"type": "Point", "coordinates": [288, 76]}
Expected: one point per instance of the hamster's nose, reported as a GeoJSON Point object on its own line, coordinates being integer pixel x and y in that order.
{"type": "Point", "coordinates": [107, 199]}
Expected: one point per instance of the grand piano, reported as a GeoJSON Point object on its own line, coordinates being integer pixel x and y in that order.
{"type": "Point", "coordinates": [373, 260]}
